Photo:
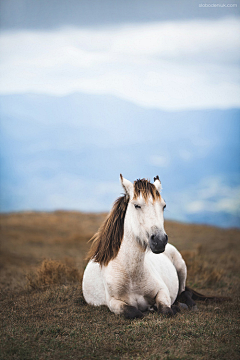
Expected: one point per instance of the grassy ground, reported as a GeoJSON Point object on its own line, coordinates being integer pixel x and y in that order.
{"type": "Point", "coordinates": [44, 316]}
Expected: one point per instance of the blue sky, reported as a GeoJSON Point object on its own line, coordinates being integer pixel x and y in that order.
{"type": "Point", "coordinates": [118, 67]}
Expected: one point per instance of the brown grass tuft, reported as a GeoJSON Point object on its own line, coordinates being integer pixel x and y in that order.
{"type": "Point", "coordinates": [54, 272]}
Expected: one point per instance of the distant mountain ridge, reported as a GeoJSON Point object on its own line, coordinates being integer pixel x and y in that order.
{"type": "Point", "coordinates": [67, 152]}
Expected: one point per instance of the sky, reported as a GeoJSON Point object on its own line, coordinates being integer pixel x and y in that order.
{"type": "Point", "coordinates": [138, 57]}
{"type": "Point", "coordinates": [178, 56]}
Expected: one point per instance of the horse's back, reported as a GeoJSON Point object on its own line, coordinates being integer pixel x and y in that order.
{"type": "Point", "coordinates": [93, 286]}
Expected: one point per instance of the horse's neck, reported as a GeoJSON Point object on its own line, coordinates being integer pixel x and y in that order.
{"type": "Point", "coordinates": [131, 255]}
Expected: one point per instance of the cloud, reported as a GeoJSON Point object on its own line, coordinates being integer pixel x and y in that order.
{"type": "Point", "coordinates": [159, 161]}
{"type": "Point", "coordinates": [210, 196]}
{"type": "Point", "coordinates": [167, 65]}
{"type": "Point", "coordinates": [185, 155]}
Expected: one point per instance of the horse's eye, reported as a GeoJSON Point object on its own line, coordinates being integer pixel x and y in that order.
{"type": "Point", "coordinates": [164, 207]}
{"type": "Point", "coordinates": [137, 206]}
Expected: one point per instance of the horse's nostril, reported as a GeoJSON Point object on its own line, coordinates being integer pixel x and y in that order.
{"type": "Point", "coordinates": [152, 237]}
{"type": "Point", "coordinates": [166, 237]}
{"type": "Point", "coordinates": [154, 240]}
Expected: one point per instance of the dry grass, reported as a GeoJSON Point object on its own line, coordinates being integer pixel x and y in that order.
{"type": "Point", "coordinates": [200, 272]}
{"type": "Point", "coordinates": [44, 316]}
{"type": "Point", "coordinates": [27, 239]}
{"type": "Point", "coordinates": [54, 272]}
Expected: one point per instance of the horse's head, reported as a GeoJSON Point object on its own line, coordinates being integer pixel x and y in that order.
{"type": "Point", "coordinates": [144, 216]}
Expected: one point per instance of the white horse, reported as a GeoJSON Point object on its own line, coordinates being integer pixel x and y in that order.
{"type": "Point", "coordinates": [132, 267]}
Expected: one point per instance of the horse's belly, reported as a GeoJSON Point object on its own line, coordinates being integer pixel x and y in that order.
{"type": "Point", "coordinates": [164, 271]}
{"type": "Point", "coordinates": [93, 286]}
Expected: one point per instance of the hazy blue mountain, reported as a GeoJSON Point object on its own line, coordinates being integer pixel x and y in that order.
{"type": "Point", "coordinates": [67, 152]}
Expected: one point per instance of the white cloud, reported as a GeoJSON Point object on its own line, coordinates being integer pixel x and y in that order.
{"type": "Point", "coordinates": [213, 195]}
{"type": "Point", "coordinates": [226, 205]}
{"type": "Point", "coordinates": [169, 65]}
{"type": "Point", "coordinates": [159, 160]}
{"type": "Point", "coordinates": [195, 206]}
{"type": "Point", "coordinates": [185, 155]}
{"type": "Point", "coordinates": [210, 198]}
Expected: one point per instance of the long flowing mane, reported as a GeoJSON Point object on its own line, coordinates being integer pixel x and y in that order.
{"type": "Point", "coordinates": [107, 241]}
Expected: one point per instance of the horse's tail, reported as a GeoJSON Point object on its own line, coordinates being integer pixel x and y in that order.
{"type": "Point", "coordinates": [197, 296]}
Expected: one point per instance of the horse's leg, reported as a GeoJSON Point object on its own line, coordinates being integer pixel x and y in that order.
{"type": "Point", "coordinates": [180, 265]}
{"type": "Point", "coordinates": [182, 276]}
{"type": "Point", "coordinates": [184, 295]}
{"type": "Point", "coordinates": [163, 303]}
{"type": "Point", "coordinates": [120, 307]}
{"type": "Point", "coordinates": [186, 298]}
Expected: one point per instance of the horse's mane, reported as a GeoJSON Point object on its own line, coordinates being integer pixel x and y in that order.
{"type": "Point", "coordinates": [144, 187]}
{"type": "Point", "coordinates": [107, 241]}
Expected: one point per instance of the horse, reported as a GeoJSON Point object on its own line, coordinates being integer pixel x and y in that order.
{"type": "Point", "coordinates": [131, 267]}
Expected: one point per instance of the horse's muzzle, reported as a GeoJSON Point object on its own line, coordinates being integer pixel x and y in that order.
{"type": "Point", "coordinates": [158, 243]}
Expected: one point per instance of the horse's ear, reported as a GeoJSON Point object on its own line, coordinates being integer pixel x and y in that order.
{"type": "Point", "coordinates": [127, 186]}
{"type": "Point", "coordinates": [157, 183]}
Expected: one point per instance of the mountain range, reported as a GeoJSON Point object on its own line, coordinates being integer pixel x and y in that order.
{"type": "Point", "coordinates": [67, 153]}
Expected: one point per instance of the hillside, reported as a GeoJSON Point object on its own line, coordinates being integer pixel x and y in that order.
{"type": "Point", "coordinates": [44, 316]}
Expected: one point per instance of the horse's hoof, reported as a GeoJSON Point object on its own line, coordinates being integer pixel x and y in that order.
{"type": "Point", "coordinates": [186, 297]}
{"type": "Point", "coordinates": [194, 308]}
{"type": "Point", "coordinates": [175, 309]}
{"type": "Point", "coordinates": [131, 312]}
{"type": "Point", "coordinates": [166, 311]}
{"type": "Point", "coordinates": [183, 306]}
